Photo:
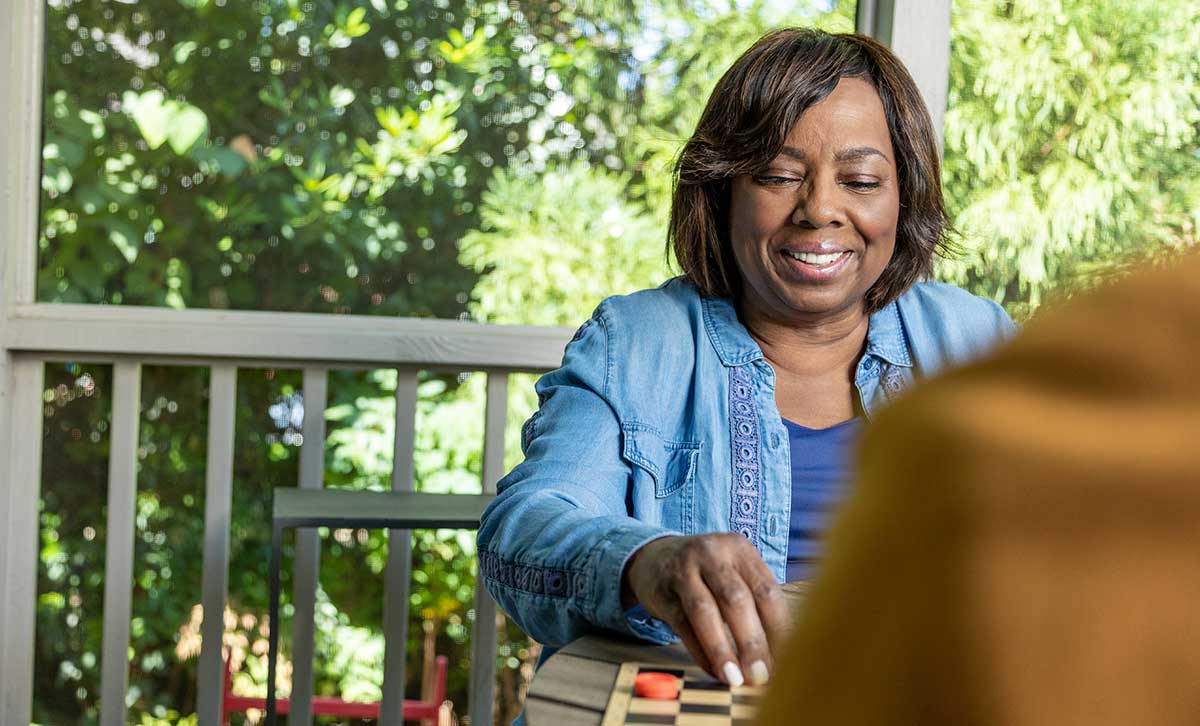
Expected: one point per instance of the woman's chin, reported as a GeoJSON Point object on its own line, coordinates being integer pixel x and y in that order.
{"type": "Point", "coordinates": [810, 304]}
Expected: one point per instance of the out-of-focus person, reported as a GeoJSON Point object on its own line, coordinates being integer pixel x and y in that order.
{"type": "Point", "coordinates": [1022, 546]}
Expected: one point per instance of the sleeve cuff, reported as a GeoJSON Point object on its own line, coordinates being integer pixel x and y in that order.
{"type": "Point", "coordinates": [647, 627]}
{"type": "Point", "coordinates": [611, 556]}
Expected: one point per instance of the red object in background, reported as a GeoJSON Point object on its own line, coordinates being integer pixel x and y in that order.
{"type": "Point", "coordinates": [332, 706]}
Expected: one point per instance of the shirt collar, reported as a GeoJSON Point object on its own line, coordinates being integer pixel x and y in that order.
{"type": "Point", "coordinates": [885, 336]}
{"type": "Point", "coordinates": [735, 347]}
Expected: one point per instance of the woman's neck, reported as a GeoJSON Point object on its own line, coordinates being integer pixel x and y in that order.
{"type": "Point", "coordinates": [813, 347]}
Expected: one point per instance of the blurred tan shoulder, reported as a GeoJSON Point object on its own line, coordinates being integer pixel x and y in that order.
{"type": "Point", "coordinates": [1006, 517]}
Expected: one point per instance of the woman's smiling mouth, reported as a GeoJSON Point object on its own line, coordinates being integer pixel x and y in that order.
{"type": "Point", "coordinates": [815, 266]}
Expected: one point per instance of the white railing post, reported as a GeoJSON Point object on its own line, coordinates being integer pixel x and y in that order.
{"type": "Point", "coordinates": [20, 474]}
{"type": "Point", "coordinates": [21, 38]}
{"type": "Point", "coordinates": [218, 493]}
{"type": "Point", "coordinates": [399, 557]}
{"type": "Point", "coordinates": [118, 545]}
{"type": "Point", "coordinates": [306, 568]}
{"type": "Point", "coordinates": [21, 379]}
{"type": "Point", "coordinates": [483, 635]}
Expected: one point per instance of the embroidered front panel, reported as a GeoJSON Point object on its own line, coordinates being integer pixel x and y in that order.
{"type": "Point", "coordinates": [893, 381]}
{"type": "Point", "coordinates": [538, 580]}
{"type": "Point", "coordinates": [743, 425]}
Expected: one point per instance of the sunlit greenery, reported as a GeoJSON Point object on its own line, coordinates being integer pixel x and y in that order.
{"type": "Point", "coordinates": [507, 162]}
{"type": "Point", "coordinates": [1071, 140]}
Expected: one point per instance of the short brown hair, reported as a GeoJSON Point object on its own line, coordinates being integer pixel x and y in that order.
{"type": "Point", "coordinates": [745, 124]}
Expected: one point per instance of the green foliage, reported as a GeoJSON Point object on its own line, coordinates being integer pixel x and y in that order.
{"type": "Point", "coordinates": [1071, 139]}
{"type": "Point", "coordinates": [551, 245]}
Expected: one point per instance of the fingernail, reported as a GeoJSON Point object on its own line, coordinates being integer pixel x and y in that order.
{"type": "Point", "coordinates": [758, 673]}
{"type": "Point", "coordinates": [733, 674]}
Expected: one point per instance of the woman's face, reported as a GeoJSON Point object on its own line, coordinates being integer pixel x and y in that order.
{"type": "Point", "coordinates": [815, 228]}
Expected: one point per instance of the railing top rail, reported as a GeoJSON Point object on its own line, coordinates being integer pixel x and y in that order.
{"type": "Point", "coordinates": [398, 510]}
{"type": "Point", "coordinates": [112, 331]}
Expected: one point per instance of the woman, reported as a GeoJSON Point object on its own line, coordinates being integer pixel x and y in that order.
{"type": "Point", "coordinates": [685, 457]}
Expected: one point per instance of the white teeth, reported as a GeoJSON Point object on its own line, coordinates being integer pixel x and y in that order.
{"type": "Point", "coordinates": [812, 258]}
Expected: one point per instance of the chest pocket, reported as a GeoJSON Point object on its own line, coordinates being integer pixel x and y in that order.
{"type": "Point", "coordinates": [670, 464]}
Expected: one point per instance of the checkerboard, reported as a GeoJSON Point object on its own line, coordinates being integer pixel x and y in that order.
{"type": "Point", "coordinates": [702, 701]}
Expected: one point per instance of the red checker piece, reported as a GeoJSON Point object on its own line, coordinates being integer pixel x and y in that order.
{"type": "Point", "coordinates": [659, 686]}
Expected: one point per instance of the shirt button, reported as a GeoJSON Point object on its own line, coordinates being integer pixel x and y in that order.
{"type": "Point", "coordinates": [776, 440]}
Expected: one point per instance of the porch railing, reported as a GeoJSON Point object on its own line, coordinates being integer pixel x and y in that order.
{"type": "Point", "coordinates": [128, 338]}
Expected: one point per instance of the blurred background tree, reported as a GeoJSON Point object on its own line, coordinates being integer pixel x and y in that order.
{"type": "Point", "coordinates": [1071, 141]}
{"type": "Point", "coordinates": [502, 161]}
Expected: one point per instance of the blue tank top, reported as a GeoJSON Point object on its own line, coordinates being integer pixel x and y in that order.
{"type": "Point", "coordinates": [821, 470]}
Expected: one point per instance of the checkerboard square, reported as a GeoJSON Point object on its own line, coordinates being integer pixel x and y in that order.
{"type": "Point", "coordinates": [689, 695]}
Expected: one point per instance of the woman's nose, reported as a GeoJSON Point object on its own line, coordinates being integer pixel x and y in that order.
{"type": "Point", "coordinates": [817, 205]}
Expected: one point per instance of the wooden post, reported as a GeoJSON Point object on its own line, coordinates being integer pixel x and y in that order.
{"type": "Point", "coordinates": [483, 635]}
{"type": "Point", "coordinates": [118, 548]}
{"type": "Point", "coordinates": [218, 493]}
{"type": "Point", "coordinates": [21, 40]}
{"type": "Point", "coordinates": [398, 571]}
{"type": "Point", "coordinates": [919, 32]}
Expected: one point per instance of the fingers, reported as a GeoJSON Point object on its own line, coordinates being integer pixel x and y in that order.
{"type": "Point", "coordinates": [740, 612]}
{"type": "Point", "coordinates": [684, 630]}
{"type": "Point", "coordinates": [706, 619]}
{"type": "Point", "coordinates": [772, 605]}
{"type": "Point", "coordinates": [719, 597]}
{"type": "Point", "coordinates": [658, 576]}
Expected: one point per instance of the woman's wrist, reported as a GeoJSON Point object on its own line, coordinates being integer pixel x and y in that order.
{"type": "Point", "coordinates": [629, 597]}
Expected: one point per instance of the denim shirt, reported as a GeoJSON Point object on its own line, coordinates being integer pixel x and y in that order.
{"type": "Point", "coordinates": [662, 420]}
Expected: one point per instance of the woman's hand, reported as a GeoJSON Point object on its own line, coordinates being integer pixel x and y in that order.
{"type": "Point", "coordinates": [702, 584]}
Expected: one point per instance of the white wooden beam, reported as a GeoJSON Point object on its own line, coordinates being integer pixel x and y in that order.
{"type": "Point", "coordinates": [20, 474]}
{"type": "Point", "coordinates": [304, 338]}
{"type": "Point", "coordinates": [398, 572]}
{"type": "Point", "coordinates": [918, 31]}
{"type": "Point", "coordinates": [218, 497]}
{"type": "Point", "coordinates": [306, 567]}
{"type": "Point", "coordinates": [21, 40]}
{"type": "Point", "coordinates": [118, 545]}
{"type": "Point", "coordinates": [483, 634]}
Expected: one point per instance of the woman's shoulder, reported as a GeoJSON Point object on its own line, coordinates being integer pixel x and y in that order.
{"type": "Point", "coordinates": [651, 320]}
{"type": "Point", "coordinates": [647, 331]}
{"type": "Point", "coordinates": [674, 301]}
{"type": "Point", "coordinates": [952, 302]}
{"type": "Point", "coordinates": [947, 324]}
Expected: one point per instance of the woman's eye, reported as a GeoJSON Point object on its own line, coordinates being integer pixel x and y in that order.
{"type": "Point", "coordinates": [774, 181]}
{"type": "Point", "coordinates": [863, 185]}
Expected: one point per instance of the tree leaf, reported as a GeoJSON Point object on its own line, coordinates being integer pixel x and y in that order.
{"type": "Point", "coordinates": [340, 96]}
{"type": "Point", "coordinates": [150, 114]}
{"type": "Point", "coordinates": [227, 161]}
{"type": "Point", "coordinates": [125, 238]}
{"type": "Point", "coordinates": [188, 125]}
